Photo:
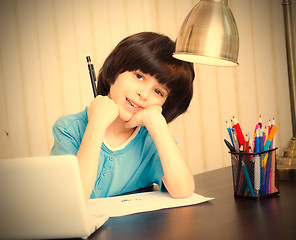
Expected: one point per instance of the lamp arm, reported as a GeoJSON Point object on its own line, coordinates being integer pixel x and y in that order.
{"type": "Point", "coordinates": [290, 59]}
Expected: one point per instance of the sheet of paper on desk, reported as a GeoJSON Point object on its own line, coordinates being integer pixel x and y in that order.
{"type": "Point", "coordinates": [140, 202]}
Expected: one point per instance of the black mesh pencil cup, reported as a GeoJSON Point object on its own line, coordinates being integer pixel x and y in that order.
{"type": "Point", "coordinates": [254, 174]}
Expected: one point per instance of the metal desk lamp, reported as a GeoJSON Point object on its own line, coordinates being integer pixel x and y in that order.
{"type": "Point", "coordinates": [209, 36]}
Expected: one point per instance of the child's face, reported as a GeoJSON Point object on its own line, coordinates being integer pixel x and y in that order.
{"type": "Point", "coordinates": [134, 91]}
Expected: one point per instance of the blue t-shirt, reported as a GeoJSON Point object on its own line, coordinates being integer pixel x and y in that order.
{"type": "Point", "coordinates": [135, 166]}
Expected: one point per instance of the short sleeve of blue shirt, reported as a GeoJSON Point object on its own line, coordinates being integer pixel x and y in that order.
{"type": "Point", "coordinates": [135, 166]}
{"type": "Point", "coordinates": [68, 132]}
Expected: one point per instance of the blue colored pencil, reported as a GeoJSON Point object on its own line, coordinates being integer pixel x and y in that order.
{"type": "Point", "coordinates": [248, 179]}
{"type": "Point", "coordinates": [229, 132]}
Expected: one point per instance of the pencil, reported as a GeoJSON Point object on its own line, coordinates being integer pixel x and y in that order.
{"type": "Point", "coordinates": [92, 75]}
{"type": "Point", "coordinates": [260, 122]}
{"type": "Point", "coordinates": [248, 179]}
{"type": "Point", "coordinates": [268, 174]}
{"type": "Point", "coordinates": [257, 174]}
{"type": "Point", "coordinates": [235, 141]}
{"type": "Point", "coordinates": [240, 172]}
{"type": "Point", "coordinates": [229, 132]}
{"type": "Point", "coordinates": [254, 143]}
{"type": "Point", "coordinates": [238, 131]}
{"type": "Point", "coordinates": [272, 168]}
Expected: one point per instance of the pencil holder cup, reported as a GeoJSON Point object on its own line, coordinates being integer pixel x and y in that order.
{"type": "Point", "coordinates": [254, 174]}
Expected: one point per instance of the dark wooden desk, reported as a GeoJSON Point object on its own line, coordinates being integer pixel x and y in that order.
{"type": "Point", "coordinates": [223, 218]}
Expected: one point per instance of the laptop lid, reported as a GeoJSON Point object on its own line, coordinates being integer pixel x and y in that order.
{"type": "Point", "coordinates": [42, 197]}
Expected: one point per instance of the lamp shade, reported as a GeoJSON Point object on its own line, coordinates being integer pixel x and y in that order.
{"type": "Point", "coordinates": [209, 35]}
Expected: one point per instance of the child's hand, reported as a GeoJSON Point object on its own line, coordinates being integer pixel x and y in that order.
{"type": "Point", "coordinates": [102, 111]}
{"type": "Point", "coordinates": [145, 116]}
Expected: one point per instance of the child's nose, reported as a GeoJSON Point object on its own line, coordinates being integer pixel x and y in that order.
{"type": "Point", "coordinates": [143, 93]}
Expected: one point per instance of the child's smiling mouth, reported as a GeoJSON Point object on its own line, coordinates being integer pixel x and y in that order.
{"type": "Point", "coordinates": [134, 104]}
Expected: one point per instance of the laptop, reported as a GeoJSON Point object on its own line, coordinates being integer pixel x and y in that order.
{"type": "Point", "coordinates": [42, 198]}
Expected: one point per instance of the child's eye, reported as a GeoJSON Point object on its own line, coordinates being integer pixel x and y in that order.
{"type": "Point", "coordinates": [158, 92]}
{"type": "Point", "coordinates": [139, 76]}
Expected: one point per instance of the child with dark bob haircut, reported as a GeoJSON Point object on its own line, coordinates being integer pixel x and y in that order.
{"type": "Point", "coordinates": [121, 140]}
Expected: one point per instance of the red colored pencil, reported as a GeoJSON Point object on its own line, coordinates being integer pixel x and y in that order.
{"type": "Point", "coordinates": [238, 131]}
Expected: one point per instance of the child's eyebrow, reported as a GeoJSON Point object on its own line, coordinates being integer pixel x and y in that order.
{"type": "Point", "coordinates": [167, 89]}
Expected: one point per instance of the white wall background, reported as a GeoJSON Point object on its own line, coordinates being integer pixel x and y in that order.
{"type": "Point", "coordinates": [44, 74]}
